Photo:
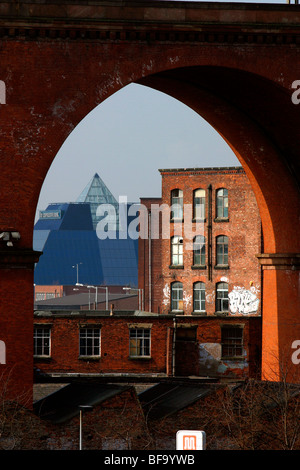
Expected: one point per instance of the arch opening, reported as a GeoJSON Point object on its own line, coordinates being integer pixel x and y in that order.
{"type": "Point", "coordinates": [257, 131]}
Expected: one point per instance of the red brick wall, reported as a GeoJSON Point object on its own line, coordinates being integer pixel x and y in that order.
{"type": "Point", "coordinates": [16, 331]}
{"type": "Point", "coordinates": [205, 360]}
{"type": "Point", "coordinates": [114, 345]}
{"type": "Point", "coordinates": [56, 291]}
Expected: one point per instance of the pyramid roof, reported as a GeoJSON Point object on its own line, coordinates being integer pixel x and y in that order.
{"type": "Point", "coordinates": [96, 192]}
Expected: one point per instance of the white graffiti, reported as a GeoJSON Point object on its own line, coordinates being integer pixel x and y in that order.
{"type": "Point", "coordinates": [167, 295]}
{"type": "Point", "coordinates": [243, 301]}
{"type": "Point", "coordinates": [187, 299]}
{"type": "Point", "coordinates": [210, 298]}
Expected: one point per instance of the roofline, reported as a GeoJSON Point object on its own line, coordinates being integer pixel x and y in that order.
{"type": "Point", "coordinates": [203, 170]}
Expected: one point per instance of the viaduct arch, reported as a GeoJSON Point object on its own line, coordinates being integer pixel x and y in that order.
{"type": "Point", "coordinates": [235, 64]}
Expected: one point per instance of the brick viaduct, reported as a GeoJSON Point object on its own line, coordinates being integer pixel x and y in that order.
{"type": "Point", "coordinates": [234, 64]}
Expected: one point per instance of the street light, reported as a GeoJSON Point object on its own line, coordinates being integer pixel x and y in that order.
{"type": "Point", "coordinates": [76, 266]}
{"type": "Point", "coordinates": [96, 294]}
{"type": "Point", "coordinates": [141, 295]}
{"type": "Point", "coordinates": [78, 284]}
{"type": "Point", "coordinates": [82, 408]}
{"type": "Point", "coordinates": [106, 295]}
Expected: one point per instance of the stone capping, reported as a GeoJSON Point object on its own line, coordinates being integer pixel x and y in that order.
{"type": "Point", "coordinates": [105, 31]}
{"type": "Point", "coordinates": [228, 170]}
{"type": "Point", "coordinates": [279, 260]}
{"type": "Point", "coordinates": [139, 325]}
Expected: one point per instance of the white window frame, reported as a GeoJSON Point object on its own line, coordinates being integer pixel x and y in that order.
{"type": "Point", "coordinates": [42, 336]}
{"type": "Point", "coordinates": [90, 340]}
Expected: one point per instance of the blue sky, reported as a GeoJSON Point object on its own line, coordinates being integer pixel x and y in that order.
{"type": "Point", "coordinates": [127, 138]}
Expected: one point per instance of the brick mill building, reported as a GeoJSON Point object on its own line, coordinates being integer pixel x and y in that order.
{"type": "Point", "coordinates": [200, 263]}
{"type": "Point", "coordinates": [201, 286]}
{"type": "Point", "coordinates": [205, 252]}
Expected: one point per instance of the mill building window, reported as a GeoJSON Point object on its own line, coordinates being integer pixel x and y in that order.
{"type": "Point", "coordinates": [199, 297]}
{"type": "Point", "coordinates": [177, 251]}
{"type": "Point", "coordinates": [41, 341]}
{"type": "Point", "coordinates": [222, 297]}
{"type": "Point", "coordinates": [89, 342]}
{"type": "Point", "coordinates": [177, 297]}
{"type": "Point", "coordinates": [199, 251]}
{"type": "Point", "coordinates": [139, 342]}
{"type": "Point", "coordinates": [232, 341]}
{"type": "Point", "coordinates": [222, 203]}
{"type": "Point", "coordinates": [199, 204]}
{"type": "Point", "coordinates": [177, 204]}
{"type": "Point", "coordinates": [222, 250]}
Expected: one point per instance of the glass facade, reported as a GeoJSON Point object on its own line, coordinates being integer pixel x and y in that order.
{"type": "Point", "coordinates": [66, 234]}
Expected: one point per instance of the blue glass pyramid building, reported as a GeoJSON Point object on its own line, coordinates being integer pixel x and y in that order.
{"type": "Point", "coordinates": [67, 235]}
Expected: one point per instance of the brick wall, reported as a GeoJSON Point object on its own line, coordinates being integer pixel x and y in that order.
{"type": "Point", "coordinates": [200, 355]}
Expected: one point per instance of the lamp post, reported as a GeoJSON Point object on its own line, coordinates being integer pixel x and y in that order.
{"type": "Point", "coordinates": [82, 408]}
{"type": "Point", "coordinates": [106, 295]}
{"type": "Point", "coordinates": [76, 266]}
{"type": "Point", "coordinates": [96, 293]}
{"type": "Point", "coordinates": [141, 296]}
{"type": "Point", "coordinates": [89, 288]}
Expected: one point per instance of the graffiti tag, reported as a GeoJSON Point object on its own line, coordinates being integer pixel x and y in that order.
{"type": "Point", "coordinates": [187, 299]}
{"type": "Point", "coordinates": [167, 295]}
{"type": "Point", "coordinates": [243, 301]}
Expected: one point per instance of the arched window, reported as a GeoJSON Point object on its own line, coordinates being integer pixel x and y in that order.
{"type": "Point", "coordinates": [222, 250]}
{"type": "Point", "coordinates": [199, 297]}
{"type": "Point", "coordinates": [199, 204]}
{"type": "Point", "coordinates": [222, 203]}
{"type": "Point", "coordinates": [177, 296]}
{"type": "Point", "coordinates": [177, 204]}
{"type": "Point", "coordinates": [177, 251]}
{"type": "Point", "coordinates": [222, 297]}
{"type": "Point", "coordinates": [199, 251]}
